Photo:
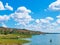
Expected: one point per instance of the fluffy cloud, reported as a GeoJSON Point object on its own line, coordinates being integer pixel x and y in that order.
{"type": "Point", "coordinates": [58, 21]}
{"type": "Point", "coordinates": [49, 18]}
{"type": "Point", "coordinates": [46, 20]}
{"type": "Point", "coordinates": [1, 6]}
{"type": "Point", "coordinates": [4, 18]}
{"type": "Point", "coordinates": [6, 7]}
{"type": "Point", "coordinates": [22, 16]}
{"type": "Point", "coordinates": [37, 21]}
{"type": "Point", "coordinates": [4, 25]}
{"type": "Point", "coordinates": [23, 9]}
{"type": "Point", "coordinates": [58, 16]}
{"type": "Point", "coordinates": [54, 24]}
{"type": "Point", "coordinates": [47, 24]}
{"type": "Point", "coordinates": [55, 5]}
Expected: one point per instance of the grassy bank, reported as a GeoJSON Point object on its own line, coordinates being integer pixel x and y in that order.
{"type": "Point", "coordinates": [15, 36]}
{"type": "Point", "coordinates": [13, 39]}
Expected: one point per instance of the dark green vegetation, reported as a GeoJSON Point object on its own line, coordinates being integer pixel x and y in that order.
{"type": "Point", "coordinates": [12, 36]}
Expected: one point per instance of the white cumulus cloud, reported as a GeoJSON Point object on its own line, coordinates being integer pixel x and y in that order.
{"type": "Point", "coordinates": [23, 9]}
{"type": "Point", "coordinates": [58, 21]}
{"type": "Point", "coordinates": [4, 25]}
{"type": "Point", "coordinates": [5, 7]}
{"type": "Point", "coordinates": [8, 7]}
{"type": "Point", "coordinates": [1, 6]}
{"type": "Point", "coordinates": [46, 20]}
{"type": "Point", "coordinates": [49, 18]}
{"type": "Point", "coordinates": [55, 5]}
{"type": "Point", "coordinates": [37, 21]}
{"type": "Point", "coordinates": [4, 17]}
{"type": "Point", "coordinates": [22, 16]}
{"type": "Point", "coordinates": [58, 16]}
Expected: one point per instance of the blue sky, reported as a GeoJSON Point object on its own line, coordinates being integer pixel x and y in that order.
{"type": "Point", "coordinates": [37, 15]}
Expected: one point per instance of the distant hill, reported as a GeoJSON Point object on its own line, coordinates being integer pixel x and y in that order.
{"type": "Point", "coordinates": [17, 31]}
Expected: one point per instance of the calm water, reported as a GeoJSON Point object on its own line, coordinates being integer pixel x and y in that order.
{"type": "Point", "coordinates": [47, 39]}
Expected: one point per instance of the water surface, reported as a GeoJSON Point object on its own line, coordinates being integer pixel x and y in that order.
{"type": "Point", "coordinates": [45, 39]}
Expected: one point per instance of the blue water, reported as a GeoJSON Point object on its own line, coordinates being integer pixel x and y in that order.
{"type": "Point", "coordinates": [45, 39]}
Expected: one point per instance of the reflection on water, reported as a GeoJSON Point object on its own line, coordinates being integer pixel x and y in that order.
{"type": "Point", "coordinates": [48, 39]}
